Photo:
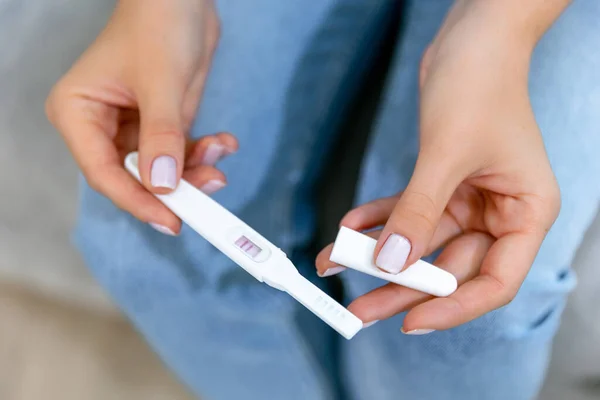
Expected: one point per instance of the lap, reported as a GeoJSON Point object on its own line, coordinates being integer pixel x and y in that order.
{"type": "Point", "coordinates": [280, 94]}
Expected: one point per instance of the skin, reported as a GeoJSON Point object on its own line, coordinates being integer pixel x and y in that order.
{"type": "Point", "coordinates": [482, 188]}
{"type": "Point", "coordinates": [482, 168]}
{"type": "Point", "coordinates": [138, 86]}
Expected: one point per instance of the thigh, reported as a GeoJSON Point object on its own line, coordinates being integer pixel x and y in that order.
{"type": "Point", "coordinates": [504, 354]}
{"type": "Point", "coordinates": [278, 81]}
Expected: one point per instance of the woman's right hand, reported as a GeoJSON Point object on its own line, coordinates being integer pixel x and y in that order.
{"type": "Point", "coordinates": [138, 87]}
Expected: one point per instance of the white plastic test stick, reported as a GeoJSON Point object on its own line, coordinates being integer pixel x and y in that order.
{"type": "Point", "coordinates": [247, 248]}
{"type": "Point", "coordinates": [356, 250]}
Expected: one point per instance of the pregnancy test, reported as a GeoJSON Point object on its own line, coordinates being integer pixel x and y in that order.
{"type": "Point", "coordinates": [248, 249]}
{"type": "Point", "coordinates": [355, 250]}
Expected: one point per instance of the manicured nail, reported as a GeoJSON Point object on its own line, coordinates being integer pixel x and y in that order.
{"type": "Point", "coordinates": [164, 172]}
{"type": "Point", "coordinates": [332, 271]}
{"type": "Point", "coordinates": [228, 151]}
{"type": "Point", "coordinates": [163, 229]}
{"type": "Point", "coordinates": [368, 324]}
{"type": "Point", "coordinates": [393, 254]}
{"type": "Point", "coordinates": [418, 331]}
{"type": "Point", "coordinates": [213, 154]}
{"type": "Point", "coordinates": [212, 186]}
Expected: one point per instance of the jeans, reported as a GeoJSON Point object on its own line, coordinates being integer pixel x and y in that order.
{"type": "Point", "coordinates": [282, 77]}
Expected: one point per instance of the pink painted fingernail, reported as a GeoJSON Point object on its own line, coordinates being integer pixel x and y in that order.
{"type": "Point", "coordinates": [163, 173]}
{"type": "Point", "coordinates": [212, 186]}
{"type": "Point", "coordinates": [418, 331]}
{"type": "Point", "coordinates": [228, 151]}
{"type": "Point", "coordinates": [393, 254]}
{"type": "Point", "coordinates": [163, 229]}
{"type": "Point", "coordinates": [368, 324]}
{"type": "Point", "coordinates": [213, 154]}
{"type": "Point", "coordinates": [332, 271]}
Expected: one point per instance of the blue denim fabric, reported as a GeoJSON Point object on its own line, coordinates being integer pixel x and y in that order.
{"type": "Point", "coordinates": [281, 78]}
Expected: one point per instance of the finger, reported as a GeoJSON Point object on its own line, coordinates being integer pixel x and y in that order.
{"type": "Point", "coordinates": [406, 235]}
{"type": "Point", "coordinates": [208, 179]}
{"type": "Point", "coordinates": [162, 137]}
{"type": "Point", "coordinates": [229, 141]}
{"type": "Point", "coordinates": [128, 138]}
{"type": "Point", "coordinates": [502, 273]}
{"type": "Point", "coordinates": [81, 125]}
{"type": "Point", "coordinates": [371, 214]}
{"type": "Point", "coordinates": [378, 212]}
{"type": "Point", "coordinates": [208, 150]}
{"type": "Point", "coordinates": [462, 258]}
{"type": "Point", "coordinates": [326, 267]}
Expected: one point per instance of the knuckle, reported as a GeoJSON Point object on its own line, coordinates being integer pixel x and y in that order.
{"type": "Point", "coordinates": [505, 297]}
{"type": "Point", "coordinates": [93, 181]}
{"type": "Point", "coordinates": [423, 220]}
{"type": "Point", "coordinates": [460, 308]}
{"type": "Point", "coordinates": [502, 293]}
{"type": "Point", "coordinates": [545, 207]}
{"type": "Point", "coordinates": [163, 132]}
{"type": "Point", "coordinates": [52, 102]}
{"type": "Point", "coordinates": [554, 200]}
{"type": "Point", "coordinates": [92, 177]}
{"type": "Point", "coordinates": [420, 208]}
{"type": "Point", "coordinates": [57, 104]}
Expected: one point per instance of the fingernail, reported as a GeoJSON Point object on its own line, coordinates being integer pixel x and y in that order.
{"type": "Point", "coordinates": [368, 324]}
{"type": "Point", "coordinates": [164, 172]}
{"type": "Point", "coordinates": [393, 254]}
{"type": "Point", "coordinates": [213, 154]}
{"type": "Point", "coordinates": [163, 229]}
{"type": "Point", "coordinates": [228, 151]}
{"type": "Point", "coordinates": [332, 271]}
{"type": "Point", "coordinates": [212, 186]}
{"type": "Point", "coordinates": [418, 331]}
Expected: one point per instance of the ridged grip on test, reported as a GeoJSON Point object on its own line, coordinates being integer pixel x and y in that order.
{"type": "Point", "coordinates": [355, 250]}
{"type": "Point", "coordinates": [326, 308]}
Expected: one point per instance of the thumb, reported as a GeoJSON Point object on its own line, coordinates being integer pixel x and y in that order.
{"type": "Point", "coordinates": [162, 137]}
{"type": "Point", "coordinates": [415, 217]}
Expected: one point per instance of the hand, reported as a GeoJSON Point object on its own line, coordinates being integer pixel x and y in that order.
{"type": "Point", "coordinates": [138, 86]}
{"type": "Point", "coordinates": [482, 185]}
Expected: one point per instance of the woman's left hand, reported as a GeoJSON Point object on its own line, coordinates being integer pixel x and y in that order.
{"type": "Point", "coordinates": [482, 185]}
